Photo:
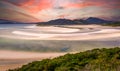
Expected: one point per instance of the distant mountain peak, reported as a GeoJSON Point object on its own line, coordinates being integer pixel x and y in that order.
{"type": "Point", "coordinates": [5, 21]}
{"type": "Point", "coordinates": [95, 20]}
{"type": "Point", "coordinates": [90, 20]}
{"type": "Point", "coordinates": [59, 22]}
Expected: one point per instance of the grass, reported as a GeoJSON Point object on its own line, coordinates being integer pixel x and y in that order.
{"type": "Point", "coordinates": [91, 60]}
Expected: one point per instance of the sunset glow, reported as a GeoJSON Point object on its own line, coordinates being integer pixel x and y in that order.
{"type": "Point", "coordinates": [44, 10]}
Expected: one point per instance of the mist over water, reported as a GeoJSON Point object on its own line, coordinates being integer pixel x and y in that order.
{"type": "Point", "coordinates": [50, 45]}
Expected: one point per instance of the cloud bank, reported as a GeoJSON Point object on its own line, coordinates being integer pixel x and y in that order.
{"type": "Point", "coordinates": [44, 10]}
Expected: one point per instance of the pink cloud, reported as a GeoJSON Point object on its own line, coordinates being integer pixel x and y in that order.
{"type": "Point", "coordinates": [106, 3]}
{"type": "Point", "coordinates": [37, 5]}
{"type": "Point", "coordinates": [101, 3]}
{"type": "Point", "coordinates": [81, 5]}
{"type": "Point", "coordinates": [51, 9]}
{"type": "Point", "coordinates": [34, 6]}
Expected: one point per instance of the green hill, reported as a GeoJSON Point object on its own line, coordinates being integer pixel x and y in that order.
{"type": "Point", "coordinates": [91, 60]}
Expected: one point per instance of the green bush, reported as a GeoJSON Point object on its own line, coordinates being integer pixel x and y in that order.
{"type": "Point", "coordinates": [91, 60]}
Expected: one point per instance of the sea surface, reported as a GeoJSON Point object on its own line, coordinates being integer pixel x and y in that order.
{"type": "Point", "coordinates": [51, 45]}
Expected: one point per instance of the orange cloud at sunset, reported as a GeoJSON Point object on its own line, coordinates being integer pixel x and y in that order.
{"type": "Point", "coordinates": [45, 10]}
{"type": "Point", "coordinates": [34, 6]}
{"type": "Point", "coordinates": [82, 5]}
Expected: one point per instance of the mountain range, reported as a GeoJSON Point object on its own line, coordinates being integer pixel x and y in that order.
{"type": "Point", "coordinates": [3, 21]}
{"type": "Point", "coordinates": [90, 20]}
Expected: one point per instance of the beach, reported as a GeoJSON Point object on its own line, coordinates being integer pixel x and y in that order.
{"type": "Point", "coordinates": [84, 32]}
{"type": "Point", "coordinates": [23, 43]}
{"type": "Point", "coordinates": [14, 59]}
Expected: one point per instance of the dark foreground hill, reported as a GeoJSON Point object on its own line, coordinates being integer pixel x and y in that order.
{"type": "Point", "coordinates": [91, 60]}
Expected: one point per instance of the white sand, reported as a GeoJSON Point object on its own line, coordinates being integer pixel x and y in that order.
{"type": "Point", "coordinates": [7, 54]}
{"type": "Point", "coordinates": [49, 33]}
{"type": "Point", "coordinates": [57, 29]}
{"type": "Point", "coordinates": [103, 33]}
{"type": "Point", "coordinates": [14, 59]}
{"type": "Point", "coordinates": [34, 32]}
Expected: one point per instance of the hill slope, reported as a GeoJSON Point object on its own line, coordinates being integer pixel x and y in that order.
{"type": "Point", "coordinates": [94, 20]}
{"type": "Point", "coordinates": [58, 22]}
{"type": "Point", "coordinates": [3, 21]}
{"type": "Point", "coordinates": [92, 60]}
{"type": "Point", "coordinates": [90, 20]}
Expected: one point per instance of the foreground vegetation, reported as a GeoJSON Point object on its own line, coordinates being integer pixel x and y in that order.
{"type": "Point", "coordinates": [91, 60]}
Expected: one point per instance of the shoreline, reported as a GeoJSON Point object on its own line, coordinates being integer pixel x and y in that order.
{"type": "Point", "coordinates": [10, 59]}
{"type": "Point", "coordinates": [14, 59]}
{"type": "Point", "coordinates": [81, 32]}
{"type": "Point", "coordinates": [5, 54]}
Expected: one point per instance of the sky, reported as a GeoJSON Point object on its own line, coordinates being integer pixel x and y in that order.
{"type": "Point", "coordinates": [45, 10]}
